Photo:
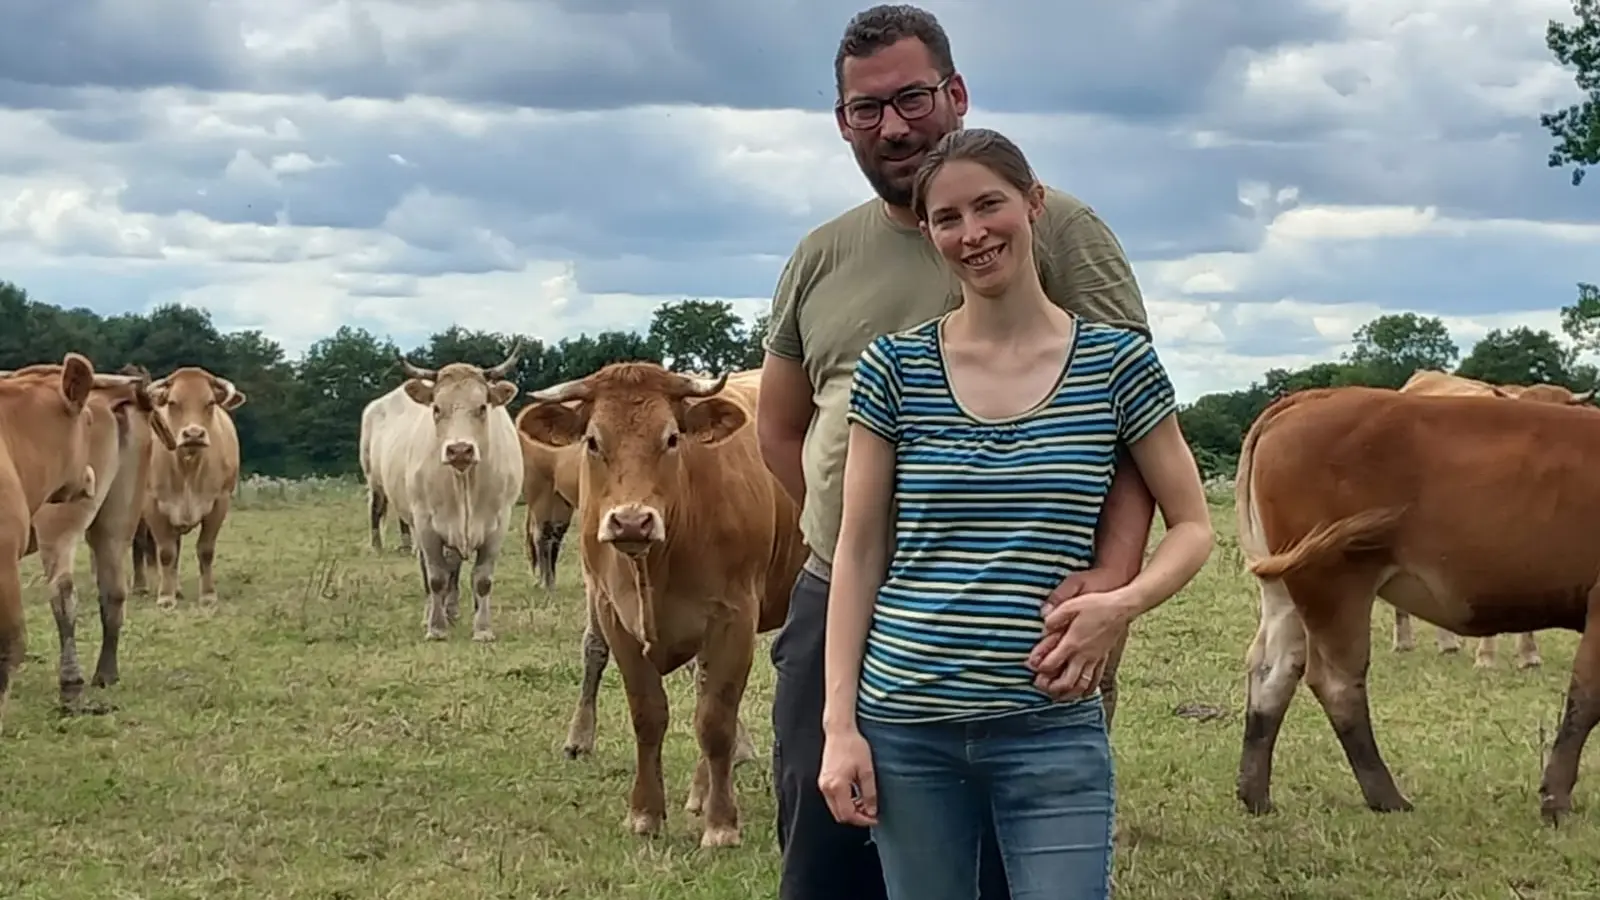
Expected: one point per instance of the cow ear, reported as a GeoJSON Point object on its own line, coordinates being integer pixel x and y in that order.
{"type": "Point", "coordinates": [235, 400]}
{"type": "Point", "coordinates": [419, 390]}
{"type": "Point", "coordinates": [713, 420]}
{"type": "Point", "coordinates": [77, 379]}
{"type": "Point", "coordinates": [501, 392]}
{"type": "Point", "coordinates": [551, 424]}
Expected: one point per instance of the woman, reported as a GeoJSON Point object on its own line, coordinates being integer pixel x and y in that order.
{"type": "Point", "coordinates": [990, 433]}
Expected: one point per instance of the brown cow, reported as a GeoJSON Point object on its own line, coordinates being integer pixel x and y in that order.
{"type": "Point", "coordinates": [1441, 384]}
{"type": "Point", "coordinates": [122, 422]}
{"type": "Point", "coordinates": [689, 548]}
{"type": "Point", "coordinates": [1477, 517]}
{"type": "Point", "coordinates": [549, 491]}
{"type": "Point", "coordinates": [194, 483]}
{"type": "Point", "coordinates": [44, 458]}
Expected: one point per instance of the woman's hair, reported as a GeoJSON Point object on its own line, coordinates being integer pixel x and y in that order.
{"type": "Point", "coordinates": [984, 146]}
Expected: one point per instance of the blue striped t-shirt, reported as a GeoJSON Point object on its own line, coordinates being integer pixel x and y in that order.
{"type": "Point", "coordinates": [990, 515]}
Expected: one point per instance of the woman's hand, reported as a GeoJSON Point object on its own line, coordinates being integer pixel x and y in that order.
{"type": "Point", "coordinates": [1087, 628]}
{"type": "Point", "coordinates": [846, 779]}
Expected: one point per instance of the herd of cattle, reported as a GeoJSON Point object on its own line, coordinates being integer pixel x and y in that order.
{"type": "Point", "coordinates": [1470, 506]}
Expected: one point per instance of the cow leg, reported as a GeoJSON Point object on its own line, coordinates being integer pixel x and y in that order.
{"type": "Point", "coordinates": [105, 545]}
{"type": "Point", "coordinates": [647, 703]}
{"type": "Point", "coordinates": [483, 583]}
{"type": "Point", "coordinates": [57, 558]}
{"type": "Point", "coordinates": [168, 543]}
{"type": "Point", "coordinates": [205, 548]}
{"type": "Point", "coordinates": [13, 627]}
{"type": "Point", "coordinates": [452, 586]}
{"type": "Point", "coordinates": [725, 661]}
{"type": "Point", "coordinates": [596, 652]}
{"type": "Point", "coordinates": [1337, 612]}
{"type": "Point", "coordinates": [550, 536]}
{"type": "Point", "coordinates": [377, 508]}
{"type": "Point", "coordinates": [431, 554]}
{"type": "Point", "coordinates": [1448, 641]}
{"type": "Point", "coordinates": [1274, 665]}
{"type": "Point", "coordinates": [744, 748]}
{"type": "Point", "coordinates": [405, 535]}
{"type": "Point", "coordinates": [1528, 651]}
{"type": "Point", "coordinates": [1404, 639]}
{"type": "Point", "coordinates": [1484, 655]}
{"type": "Point", "coordinates": [1579, 715]}
{"type": "Point", "coordinates": [144, 555]}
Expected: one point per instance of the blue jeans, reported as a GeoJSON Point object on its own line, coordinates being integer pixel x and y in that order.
{"type": "Point", "coordinates": [1046, 778]}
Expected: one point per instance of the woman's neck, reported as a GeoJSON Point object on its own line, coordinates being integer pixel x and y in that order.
{"type": "Point", "coordinates": [1022, 312]}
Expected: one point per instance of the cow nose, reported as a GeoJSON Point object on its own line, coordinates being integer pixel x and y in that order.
{"type": "Point", "coordinates": [192, 434]}
{"type": "Point", "coordinates": [631, 525]}
{"type": "Point", "coordinates": [460, 454]}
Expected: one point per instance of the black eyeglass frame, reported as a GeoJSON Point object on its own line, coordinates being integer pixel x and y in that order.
{"type": "Point", "coordinates": [873, 106]}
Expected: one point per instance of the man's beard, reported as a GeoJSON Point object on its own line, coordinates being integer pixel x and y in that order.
{"type": "Point", "coordinates": [872, 166]}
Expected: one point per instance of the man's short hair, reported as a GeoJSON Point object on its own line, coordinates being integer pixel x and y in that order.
{"type": "Point", "coordinates": [886, 24]}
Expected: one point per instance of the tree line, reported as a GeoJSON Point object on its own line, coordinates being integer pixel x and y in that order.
{"type": "Point", "coordinates": [303, 415]}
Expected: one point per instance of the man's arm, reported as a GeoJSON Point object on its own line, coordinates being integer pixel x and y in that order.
{"type": "Point", "coordinates": [1124, 529]}
{"type": "Point", "coordinates": [785, 406]}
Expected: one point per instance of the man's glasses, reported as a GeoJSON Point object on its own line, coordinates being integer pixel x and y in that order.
{"type": "Point", "coordinates": [911, 103]}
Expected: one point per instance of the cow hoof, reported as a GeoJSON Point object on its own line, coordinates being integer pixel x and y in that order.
{"type": "Point", "coordinates": [573, 751]}
{"type": "Point", "coordinates": [1481, 663]}
{"type": "Point", "coordinates": [1395, 804]}
{"type": "Point", "coordinates": [694, 804]}
{"type": "Point", "coordinates": [106, 679]}
{"type": "Point", "coordinates": [1532, 662]}
{"type": "Point", "coordinates": [434, 634]}
{"type": "Point", "coordinates": [167, 601]}
{"type": "Point", "coordinates": [485, 636]}
{"type": "Point", "coordinates": [644, 824]}
{"type": "Point", "coordinates": [725, 836]}
{"type": "Point", "coordinates": [1553, 810]}
{"type": "Point", "coordinates": [209, 599]}
{"type": "Point", "coordinates": [1256, 806]}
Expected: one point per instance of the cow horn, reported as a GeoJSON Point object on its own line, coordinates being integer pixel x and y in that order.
{"type": "Point", "coordinates": [1584, 397]}
{"type": "Point", "coordinates": [416, 372]}
{"type": "Point", "coordinates": [576, 389]}
{"type": "Point", "coordinates": [702, 386]}
{"type": "Point", "coordinates": [495, 373]}
{"type": "Point", "coordinates": [227, 386]}
{"type": "Point", "coordinates": [115, 381]}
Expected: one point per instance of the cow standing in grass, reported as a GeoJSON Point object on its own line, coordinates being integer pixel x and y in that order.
{"type": "Point", "coordinates": [45, 427]}
{"type": "Point", "coordinates": [446, 456]}
{"type": "Point", "coordinates": [1478, 517]}
{"type": "Point", "coordinates": [192, 484]}
{"type": "Point", "coordinates": [550, 492]}
{"type": "Point", "coordinates": [689, 548]}
{"type": "Point", "coordinates": [123, 431]}
{"type": "Point", "coordinates": [1441, 384]}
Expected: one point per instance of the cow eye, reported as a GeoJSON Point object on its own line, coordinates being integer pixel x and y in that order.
{"type": "Point", "coordinates": [483, 410]}
{"type": "Point", "coordinates": [591, 445]}
{"type": "Point", "coordinates": [672, 441]}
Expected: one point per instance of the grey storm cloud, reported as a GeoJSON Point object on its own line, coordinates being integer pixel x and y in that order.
{"type": "Point", "coordinates": [1124, 59]}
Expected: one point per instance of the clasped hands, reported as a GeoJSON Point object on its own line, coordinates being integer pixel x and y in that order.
{"type": "Point", "coordinates": [1084, 617]}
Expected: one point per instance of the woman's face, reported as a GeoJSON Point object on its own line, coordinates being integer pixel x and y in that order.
{"type": "Point", "coordinates": [982, 225]}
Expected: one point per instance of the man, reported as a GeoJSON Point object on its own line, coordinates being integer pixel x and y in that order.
{"type": "Point", "coordinates": [867, 272]}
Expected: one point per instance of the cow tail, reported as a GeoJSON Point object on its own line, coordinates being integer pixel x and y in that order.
{"type": "Point", "coordinates": [1366, 530]}
{"type": "Point", "coordinates": [1251, 541]}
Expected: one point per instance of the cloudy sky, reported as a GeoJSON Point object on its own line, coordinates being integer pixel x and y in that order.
{"type": "Point", "coordinates": [1279, 170]}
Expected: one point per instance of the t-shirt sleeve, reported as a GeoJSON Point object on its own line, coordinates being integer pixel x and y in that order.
{"type": "Point", "coordinates": [783, 320]}
{"type": "Point", "coordinates": [1085, 270]}
{"type": "Point", "coordinates": [1141, 392]}
{"type": "Point", "coordinates": [875, 390]}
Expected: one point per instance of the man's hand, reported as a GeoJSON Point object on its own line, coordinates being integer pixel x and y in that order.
{"type": "Point", "coordinates": [1050, 660]}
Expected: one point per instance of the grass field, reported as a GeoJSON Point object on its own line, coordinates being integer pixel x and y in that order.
{"type": "Point", "coordinates": [302, 741]}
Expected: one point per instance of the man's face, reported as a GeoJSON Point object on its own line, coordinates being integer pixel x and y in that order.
{"type": "Point", "coordinates": [890, 150]}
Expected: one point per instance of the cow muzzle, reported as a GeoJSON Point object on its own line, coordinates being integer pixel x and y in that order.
{"type": "Point", "coordinates": [460, 455]}
{"type": "Point", "coordinates": [193, 437]}
{"type": "Point", "coordinates": [80, 488]}
{"type": "Point", "coordinates": [632, 528]}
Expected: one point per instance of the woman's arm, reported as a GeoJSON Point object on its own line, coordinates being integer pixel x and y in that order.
{"type": "Point", "coordinates": [859, 562]}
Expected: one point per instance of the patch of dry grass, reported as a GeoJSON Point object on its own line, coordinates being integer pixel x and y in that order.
{"type": "Point", "coordinates": [302, 741]}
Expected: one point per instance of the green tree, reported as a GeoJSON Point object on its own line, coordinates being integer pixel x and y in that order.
{"type": "Point", "coordinates": [338, 377]}
{"type": "Point", "coordinates": [754, 350]}
{"type": "Point", "coordinates": [1520, 356]}
{"type": "Point", "coordinates": [1577, 128]}
{"type": "Point", "coordinates": [699, 335]}
{"type": "Point", "coordinates": [1390, 348]}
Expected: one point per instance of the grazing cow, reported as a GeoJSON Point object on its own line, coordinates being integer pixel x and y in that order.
{"type": "Point", "coordinates": [123, 426]}
{"type": "Point", "coordinates": [374, 421]}
{"type": "Point", "coordinates": [447, 458]}
{"type": "Point", "coordinates": [689, 548]}
{"type": "Point", "coordinates": [1478, 517]}
{"type": "Point", "coordinates": [1435, 383]}
{"type": "Point", "coordinates": [550, 491]}
{"type": "Point", "coordinates": [44, 458]}
{"type": "Point", "coordinates": [192, 484]}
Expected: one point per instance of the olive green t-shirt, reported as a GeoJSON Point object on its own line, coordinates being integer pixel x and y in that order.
{"type": "Point", "coordinates": [864, 274]}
